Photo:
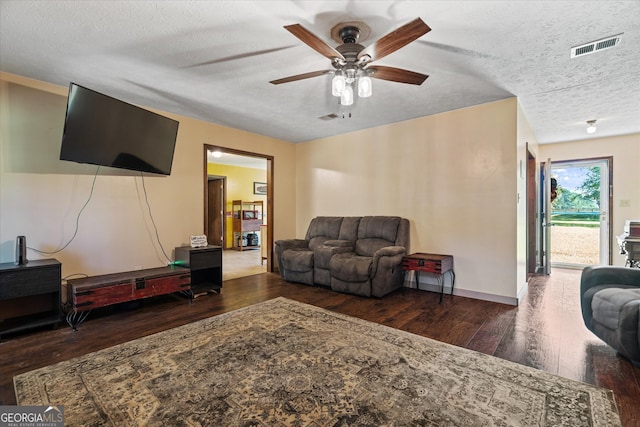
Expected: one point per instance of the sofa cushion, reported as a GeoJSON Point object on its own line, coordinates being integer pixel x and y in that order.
{"type": "Point", "coordinates": [326, 226]}
{"type": "Point", "coordinates": [349, 228]}
{"type": "Point", "coordinates": [349, 267]}
{"type": "Point", "coordinates": [297, 259]}
{"type": "Point", "coordinates": [376, 232]}
{"type": "Point", "coordinates": [382, 227]}
{"type": "Point", "coordinates": [587, 298]}
{"type": "Point", "coordinates": [612, 307]}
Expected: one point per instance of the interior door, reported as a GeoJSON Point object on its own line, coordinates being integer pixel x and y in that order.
{"type": "Point", "coordinates": [605, 217]}
{"type": "Point", "coordinates": [215, 201]}
{"type": "Point", "coordinates": [546, 216]}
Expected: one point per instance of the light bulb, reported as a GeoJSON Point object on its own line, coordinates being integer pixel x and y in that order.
{"type": "Point", "coordinates": [364, 87]}
{"type": "Point", "coordinates": [351, 75]}
{"type": "Point", "coordinates": [592, 126]}
{"type": "Point", "coordinates": [337, 85]}
{"type": "Point", "coordinates": [347, 96]}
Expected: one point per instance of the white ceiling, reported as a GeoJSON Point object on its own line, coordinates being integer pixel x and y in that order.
{"type": "Point", "coordinates": [213, 60]}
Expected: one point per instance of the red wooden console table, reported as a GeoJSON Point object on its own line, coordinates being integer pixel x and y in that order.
{"type": "Point", "coordinates": [88, 293]}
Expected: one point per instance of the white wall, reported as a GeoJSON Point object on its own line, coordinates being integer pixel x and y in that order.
{"type": "Point", "coordinates": [626, 174]}
{"type": "Point", "coordinates": [41, 196]}
{"type": "Point", "coordinates": [453, 175]}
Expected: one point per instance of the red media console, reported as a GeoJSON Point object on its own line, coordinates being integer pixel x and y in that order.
{"type": "Point", "coordinates": [88, 293]}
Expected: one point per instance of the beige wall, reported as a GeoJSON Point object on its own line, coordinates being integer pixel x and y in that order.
{"type": "Point", "coordinates": [626, 174]}
{"type": "Point", "coordinates": [456, 176]}
{"type": "Point", "coordinates": [452, 175]}
{"type": "Point", "coordinates": [41, 196]}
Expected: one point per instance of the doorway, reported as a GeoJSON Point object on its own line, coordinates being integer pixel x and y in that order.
{"type": "Point", "coordinates": [217, 215]}
{"type": "Point", "coordinates": [579, 226]}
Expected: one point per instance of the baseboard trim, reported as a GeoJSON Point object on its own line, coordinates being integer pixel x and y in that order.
{"type": "Point", "coordinates": [467, 293]}
{"type": "Point", "coordinates": [523, 292]}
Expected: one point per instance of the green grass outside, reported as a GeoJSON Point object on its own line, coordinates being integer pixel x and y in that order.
{"type": "Point", "coordinates": [576, 219]}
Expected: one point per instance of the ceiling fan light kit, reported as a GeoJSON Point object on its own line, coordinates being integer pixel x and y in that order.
{"type": "Point", "coordinates": [351, 60]}
{"type": "Point", "coordinates": [364, 87]}
{"type": "Point", "coordinates": [342, 87]}
{"type": "Point", "coordinates": [338, 84]}
{"type": "Point", "coordinates": [347, 96]}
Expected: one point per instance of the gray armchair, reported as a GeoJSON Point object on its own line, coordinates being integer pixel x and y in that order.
{"type": "Point", "coordinates": [610, 301]}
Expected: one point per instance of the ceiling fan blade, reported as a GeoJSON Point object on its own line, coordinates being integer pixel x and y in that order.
{"type": "Point", "coordinates": [395, 40]}
{"type": "Point", "coordinates": [300, 77]}
{"type": "Point", "coordinates": [313, 41]}
{"type": "Point", "coordinates": [397, 75]}
{"type": "Point", "coordinates": [239, 56]}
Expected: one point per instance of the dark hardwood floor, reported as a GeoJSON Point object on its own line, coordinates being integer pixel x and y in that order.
{"type": "Point", "coordinates": [545, 331]}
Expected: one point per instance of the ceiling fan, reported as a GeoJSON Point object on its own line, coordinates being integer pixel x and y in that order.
{"type": "Point", "coordinates": [351, 60]}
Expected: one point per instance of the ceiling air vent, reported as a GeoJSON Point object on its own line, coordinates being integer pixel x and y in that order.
{"type": "Point", "coordinates": [595, 46]}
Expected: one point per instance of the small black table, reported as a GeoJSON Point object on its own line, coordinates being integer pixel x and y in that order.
{"type": "Point", "coordinates": [30, 295]}
{"type": "Point", "coordinates": [205, 264]}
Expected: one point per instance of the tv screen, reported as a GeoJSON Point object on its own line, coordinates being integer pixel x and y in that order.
{"type": "Point", "coordinates": [105, 131]}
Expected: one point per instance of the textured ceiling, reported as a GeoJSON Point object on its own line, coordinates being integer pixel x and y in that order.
{"type": "Point", "coordinates": [213, 60]}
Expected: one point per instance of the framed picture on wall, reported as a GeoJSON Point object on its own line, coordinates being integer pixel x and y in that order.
{"type": "Point", "coordinates": [260, 188]}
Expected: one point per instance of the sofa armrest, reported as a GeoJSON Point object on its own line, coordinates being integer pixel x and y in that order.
{"type": "Point", "coordinates": [292, 244]}
{"type": "Point", "coordinates": [283, 245]}
{"type": "Point", "coordinates": [395, 252]}
{"type": "Point", "coordinates": [390, 251]}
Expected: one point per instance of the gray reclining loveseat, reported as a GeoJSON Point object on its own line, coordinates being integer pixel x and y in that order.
{"type": "Point", "coordinates": [358, 255]}
{"type": "Point", "coordinates": [610, 301]}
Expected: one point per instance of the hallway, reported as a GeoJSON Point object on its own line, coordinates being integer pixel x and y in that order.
{"type": "Point", "coordinates": [241, 263]}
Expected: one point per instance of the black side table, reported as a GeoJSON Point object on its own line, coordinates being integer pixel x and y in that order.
{"type": "Point", "coordinates": [29, 295]}
{"type": "Point", "coordinates": [205, 264]}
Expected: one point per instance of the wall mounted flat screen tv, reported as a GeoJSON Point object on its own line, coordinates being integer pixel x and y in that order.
{"type": "Point", "coordinates": [105, 131]}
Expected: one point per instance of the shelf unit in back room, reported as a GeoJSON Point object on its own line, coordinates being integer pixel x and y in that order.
{"type": "Point", "coordinates": [247, 219]}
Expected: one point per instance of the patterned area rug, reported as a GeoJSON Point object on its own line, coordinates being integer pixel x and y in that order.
{"type": "Point", "coordinates": [284, 363]}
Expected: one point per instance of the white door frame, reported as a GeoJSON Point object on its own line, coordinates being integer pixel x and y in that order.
{"type": "Point", "coordinates": [606, 175]}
